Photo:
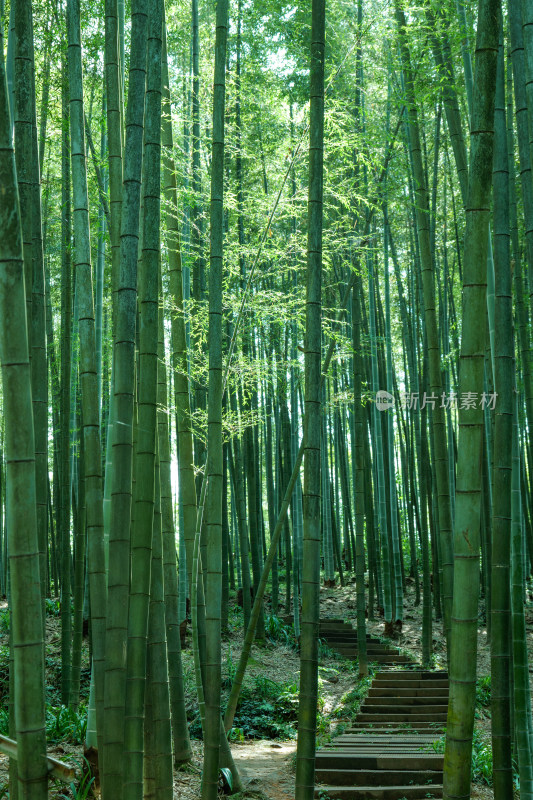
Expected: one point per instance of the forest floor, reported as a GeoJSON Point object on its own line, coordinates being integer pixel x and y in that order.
{"type": "Point", "coordinates": [267, 764]}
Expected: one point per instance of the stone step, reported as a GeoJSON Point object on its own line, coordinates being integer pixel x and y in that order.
{"type": "Point", "coordinates": [408, 686]}
{"type": "Point", "coordinates": [334, 625]}
{"type": "Point", "coordinates": [376, 777]}
{"type": "Point", "coordinates": [342, 635]}
{"type": "Point", "coordinates": [403, 729]}
{"type": "Point", "coordinates": [409, 749]}
{"type": "Point", "coordinates": [351, 644]}
{"type": "Point", "coordinates": [399, 717]}
{"type": "Point", "coordinates": [412, 675]}
{"type": "Point", "coordinates": [378, 792]}
{"type": "Point", "coordinates": [372, 734]}
{"type": "Point", "coordinates": [385, 738]}
{"type": "Point", "coordinates": [381, 658]}
{"type": "Point", "coordinates": [406, 700]}
{"type": "Point", "coordinates": [329, 623]}
{"type": "Point", "coordinates": [336, 629]}
{"type": "Point", "coordinates": [347, 644]}
{"type": "Point", "coordinates": [428, 707]}
{"type": "Point", "coordinates": [413, 691]}
{"type": "Point", "coordinates": [372, 655]}
{"type": "Point", "coordinates": [415, 741]}
{"type": "Point", "coordinates": [340, 759]}
{"type": "Point", "coordinates": [397, 727]}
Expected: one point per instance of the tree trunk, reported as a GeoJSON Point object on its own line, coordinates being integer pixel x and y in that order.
{"type": "Point", "coordinates": [90, 410]}
{"type": "Point", "coordinates": [457, 759]}
{"type": "Point", "coordinates": [503, 433]}
{"type": "Point", "coordinates": [123, 416]}
{"type": "Point", "coordinates": [305, 755]}
{"type": "Point", "coordinates": [21, 520]}
{"type": "Point", "coordinates": [214, 466]}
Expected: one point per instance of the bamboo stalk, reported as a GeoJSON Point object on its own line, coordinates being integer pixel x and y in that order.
{"type": "Point", "coordinates": [56, 769]}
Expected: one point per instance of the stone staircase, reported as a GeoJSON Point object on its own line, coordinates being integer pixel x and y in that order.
{"type": "Point", "coordinates": [342, 637]}
{"type": "Point", "coordinates": [387, 753]}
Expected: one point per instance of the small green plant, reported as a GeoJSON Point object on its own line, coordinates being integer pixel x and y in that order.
{"type": "Point", "coordinates": [436, 746]}
{"type": "Point", "coordinates": [189, 768]}
{"type": "Point", "coordinates": [481, 759]}
{"type": "Point", "coordinates": [481, 756]}
{"type": "Point", "coordinates": [325, 652]}
{"type": "Point", "coordinates": [66, 725]}
{"type": "Point", "coordinates": [277, 631]}
{"type": "Point", "coordinates": [5, 620]}
{"type": "Point", "coordinates": [351, 701]}
{"type": "Point", "coordinates": [4, 672]}
{"type": "Point", "coordinates": [4, 722]}
{"type": "Point", "coordinates": [80, 792]}
{"type": "Point", "coordinates": [53, 606]}
{"type": "Point", "coordinates": [266, 710]}
{"type": "Point", "coordinates": [231, 670]}
{"type": "Point", "coordinates": [483, 692]}
{"type": "Point", "coordinates": [225, 780]}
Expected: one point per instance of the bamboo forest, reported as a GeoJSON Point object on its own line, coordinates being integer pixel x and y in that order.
{"type": "Point", "coordinates": [266, 402]}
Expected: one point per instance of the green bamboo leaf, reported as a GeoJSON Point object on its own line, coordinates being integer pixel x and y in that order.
{"type": "Point", "coordinates": [227, 780]}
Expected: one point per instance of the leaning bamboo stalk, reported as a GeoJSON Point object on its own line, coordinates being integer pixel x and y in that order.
{"type": "Point", "coordinates": [250, 632]}
{"type": "Point", "coordinates": [56, 769]}
{"type": "Point", "coordinates": [275, 536]}
{"type": "Point", "coordinates": [347, 294]}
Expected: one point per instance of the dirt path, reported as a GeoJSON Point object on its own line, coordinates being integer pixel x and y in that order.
{"type": "Point", "coordinates": [267, 767]}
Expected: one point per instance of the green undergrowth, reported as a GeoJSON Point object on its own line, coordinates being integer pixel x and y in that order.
{"type": "Point", "coordinates": [404, 651]}
{"type": "Point", "coordinates": [5, 621]}
{"type": "Point", "coordinates": [352, 701]}
{"type": "Point", "coordinates": [327, 652]}
{"type": "Point", "coordinates": [267, 709]}
{"type": "Point", "coordinates": [482, 764]}
{"type": "Point", "coordinates": [52, 665]}
{"type": "Point", "coordinates": [483, 697]}
{"type": "Point", "coordinates": [62, 724]}
{"type": "Point", "coordinates": [79, 789]}
{"type": "Point", "coordinates": [481, 756]}
{"type": "Point", "coordinates": [278, 631]}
